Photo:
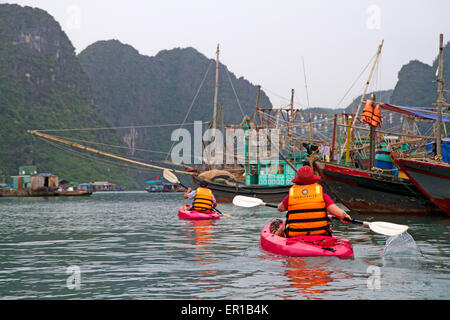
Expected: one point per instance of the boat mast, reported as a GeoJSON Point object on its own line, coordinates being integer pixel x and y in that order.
{"type": "Point", "coordinates": [258, 87]}
{"type": "Point", "coordinates": [214, 124]}
{"type": "Point", "coordinates": [365, 91]}
{"type": "Point", "coordinates": [368, 82]}
{"type": "Point", "coordinates": [291, 122]}
{"type": "Point", "coordinates": [216, 90]}
{"type": "Point", "coordinates": [440, 99]}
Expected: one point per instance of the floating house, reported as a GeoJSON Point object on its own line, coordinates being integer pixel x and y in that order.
{"type": "Point", "coordinates": [31, 183]}
{"type": "Point", "coordinates": [161, 186]}
{"type": "Point", "coordinates": [106, 186]}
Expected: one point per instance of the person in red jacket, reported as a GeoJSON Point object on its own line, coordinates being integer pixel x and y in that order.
{"type": "Point", "coordinates": [308, 207]}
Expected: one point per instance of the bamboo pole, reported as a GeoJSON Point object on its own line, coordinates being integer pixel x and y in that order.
{"type": "Point", "coordinates": [440, 99]}
{"type": "Point", "coordinates": [347, 143]}
{"type": "Point", "coordinates": [333, 142]}
{"type": "Point", "coordinates": [79, 146]}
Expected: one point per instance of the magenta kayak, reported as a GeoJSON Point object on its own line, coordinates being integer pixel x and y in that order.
{"type": "Point", "coordinates": [185, 213]}
{"type": "Point", "coordinates": [305, 246]}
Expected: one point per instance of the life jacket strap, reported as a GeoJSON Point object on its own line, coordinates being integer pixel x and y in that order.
{"type": "Point", "coordinates": [308, 220]}
{"type": "Point", "coordinates": [203, 199]}
{"type": "Point", "coordinates": [308, 230]}
{"type": "Point", "coordinates": [306, 210]}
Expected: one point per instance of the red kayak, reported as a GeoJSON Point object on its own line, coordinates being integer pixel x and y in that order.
{"type": "Point", "coordinates": [305, 246]}
{"type": "Point", "coordinates": [185, 213]}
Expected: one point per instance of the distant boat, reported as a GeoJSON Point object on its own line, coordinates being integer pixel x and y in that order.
{"type": "Point", "coordinates": [74, 193]}
{"type": "Point", "coordinates": [368, 192]}
{"type": "Point", "coordinates": [432, 178]}
{"type": "Point", "coordinates": [226, 193]}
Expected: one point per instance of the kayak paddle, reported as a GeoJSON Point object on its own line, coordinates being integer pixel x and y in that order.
{"type": "Point", "coordinates": [172, 178]}
{"type": "Point", "coordinates": [249, 202]}
{"type": "Point", "coordinates": [225, 215]}
{"type": "Point", "coordinates": [386, 228]}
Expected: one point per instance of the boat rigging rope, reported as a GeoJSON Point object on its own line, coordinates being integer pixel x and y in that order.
{"type": "Point", "coordinates": [356, 80]}
{"type": "Point", "coordinates": [190, 107]}
{"type": "Point", "coordinates": [93, 158]}
{"type": "Point", "coordinates": [280, 96]}
{"type": "Point", "coordinates": [114, 128]}
{"type": "Point", "coordinates": [235, 94]}
{"type": "Point", "coordinates": [109, 145]}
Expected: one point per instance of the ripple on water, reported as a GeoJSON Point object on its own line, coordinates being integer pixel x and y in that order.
{"type": "Point", "coordinates": [133, 246]}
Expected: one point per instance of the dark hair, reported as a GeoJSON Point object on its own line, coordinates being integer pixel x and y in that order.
{"type": "Point", "coordinates": [203, 184]}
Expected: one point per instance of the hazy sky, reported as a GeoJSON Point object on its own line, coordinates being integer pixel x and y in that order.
{"type": "Point", "coordinates": [264, 41]}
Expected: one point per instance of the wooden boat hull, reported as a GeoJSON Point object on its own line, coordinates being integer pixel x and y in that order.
{"type": "Point", "coordinates": [226, 193]}
{"type": "Point", "coordinates": [433, 179]}
{"type": "Point", "coordinates": [74, 193]}
{"type": "Point", "coordinates": [367, 192]}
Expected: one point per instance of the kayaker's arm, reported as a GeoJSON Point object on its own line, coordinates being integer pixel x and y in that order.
{"type": "Point", "coordinates": [338, 212]}
{"type": "Point", "coordinates": [189, 190]}
{"type": "Point", "coordinates": [281, 207]}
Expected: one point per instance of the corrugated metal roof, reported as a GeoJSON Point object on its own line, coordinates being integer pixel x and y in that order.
{"type": "Point", "coordinates": [415, 111]}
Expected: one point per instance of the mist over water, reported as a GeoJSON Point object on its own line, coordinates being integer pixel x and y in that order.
{"type": "Point", "coordinates": [131, 245]}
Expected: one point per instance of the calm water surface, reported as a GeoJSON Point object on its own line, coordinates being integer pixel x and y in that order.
{"type": "Point", "coordinates": [131, 245]}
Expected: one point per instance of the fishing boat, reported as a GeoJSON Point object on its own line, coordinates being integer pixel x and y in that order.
{"type": "Point", "coordinates": [154, 185]}
{"type": "Point", "coordinates": [226, 193]}
{"type": "Point", "coordinates": [371, 192]}
{"type": "Point", "coordinates": [375, 190]}
{"type": "Point", "coordinates": [73, 193]}
{"type": "Point", "coordinates": [268, 181]}
{"type": "Point", "coordinates": [379, 189]}
{"type": "Point", "coordinates": [432, 178]}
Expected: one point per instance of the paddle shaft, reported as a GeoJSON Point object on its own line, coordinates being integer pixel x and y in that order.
{"type": "Point", "coordinates": [354, 221]}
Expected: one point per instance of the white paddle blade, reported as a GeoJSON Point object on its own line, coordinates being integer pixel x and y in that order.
{"type": "Point", "coordinates": [247, 202]}
{"type": "Point", "coordinates": [169, 176]}
{"type": "Point", "coordinates": [387, 228]}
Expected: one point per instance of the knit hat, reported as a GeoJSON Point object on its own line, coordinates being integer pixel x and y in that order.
{"type": "Point", "coordinates": [305, 175]}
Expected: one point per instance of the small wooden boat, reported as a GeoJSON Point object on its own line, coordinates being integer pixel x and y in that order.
{"type": "Point", "coordinates": [74, 193]}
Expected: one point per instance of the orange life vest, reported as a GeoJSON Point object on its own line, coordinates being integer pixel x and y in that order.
{"type": "Point", "coordinates": [203, 199]}
{"type": "Point", "coordinates": [368, 112]}
{"type": "Point", "coordinates": [376, 117]}
{"type": "Point", "coordinates": [307, 213]}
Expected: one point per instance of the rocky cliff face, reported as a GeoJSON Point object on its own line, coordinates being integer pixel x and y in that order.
{"type": "Point", "coordinates": [134, 89]}
{"type": "Point", "coordinates": [38, 53]}
{"type": "Point", "coordinates": [42, 86]}
{"type": "Point", "coordinates": [417, 84]}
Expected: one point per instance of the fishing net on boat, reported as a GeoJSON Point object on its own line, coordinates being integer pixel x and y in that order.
{"type": "Point", "coordinates": [219, 176]}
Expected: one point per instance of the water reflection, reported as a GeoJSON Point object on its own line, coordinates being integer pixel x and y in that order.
{"type": "Point", "coordinates": [132, 245]}
{"type": "Point", "coordinates": [203, 249]}
{"type": "Point", "coordinates": [307, 276]}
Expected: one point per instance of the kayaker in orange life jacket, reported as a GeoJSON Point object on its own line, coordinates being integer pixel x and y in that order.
{"type": "Point", "coordinates": [307, 207]}
{"type": "Point", "coordinates": [203, 198]}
